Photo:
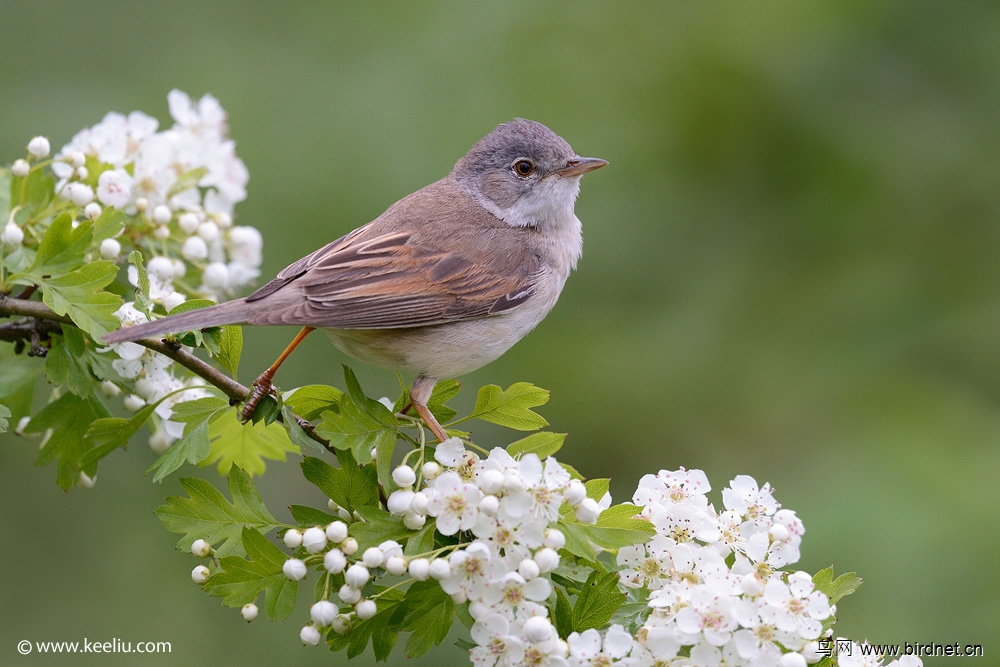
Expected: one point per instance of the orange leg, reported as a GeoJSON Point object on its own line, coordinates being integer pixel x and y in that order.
{"type": "Point", "coordinates": [420, 392]}
{"type": "Point", "coordinates": [262, 385]}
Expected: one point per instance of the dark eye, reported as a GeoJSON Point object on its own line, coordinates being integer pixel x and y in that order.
{"type": "Point", "coordinates": [524, 168]}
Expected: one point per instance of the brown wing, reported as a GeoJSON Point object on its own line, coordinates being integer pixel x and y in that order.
{"type": "Point", "coordinates": [432, 258]}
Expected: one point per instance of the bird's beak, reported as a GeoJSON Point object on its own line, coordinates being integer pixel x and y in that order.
{"type": "Point", "coordinates": [579, 166]}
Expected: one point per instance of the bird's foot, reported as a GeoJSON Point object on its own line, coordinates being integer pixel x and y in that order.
{"type": "Point", "coordinates": [260, 388]}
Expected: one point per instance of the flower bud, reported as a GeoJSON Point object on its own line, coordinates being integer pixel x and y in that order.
{"type": "Point", "coordinates": [292, 538]}
{"type": "Point", "coordinates": [161, 214]}
{"type": "Point", "coordinates": [77, 159]}
{"type": "Point", "coordinates": [22, 424]}
{"type": "Point", "coordinates": [201, 549]}
{"type": "Point", "coordinates": [778, 532]}
{"type": "Point", "coordinates": [188, 222]}
{"type": "Point", "coordinates": [342, 624]}
{"type": "Point", "coordinates": [752, 585]}
{"type": "Point", "coordinates": [161, 233]}
{"type": "Point", "coordinates": [365, 609]}
{"type": "Point", "coordinates": [575, 492]}
{"type": "Point", "coordinates": [588, 511]}
{"type": "Point", "coordinates": [141, 204]}
{"type": "Point", "coordinates": [356, 576]}
{"type": "Point", "coordinates": [82, 173]}
{"type": "Point", "coordinates": [294, 569]}
{"type": "Point", "coordinates": [92, 211]}
{"type": "Point", "coordinates": [173, 300]}
{"type": "Point", "coordinates": [249, 611]}
{"type": "Point", "coordinates": [349, 546]}
{"type": "Point", "coordinates": [20, 168]}
{"type": "Point", "coordinates": [399, 502]}
{"type": "Point", "coordinates": [208, 231]}
{"type": "Point", "coordinates": [512, 482]}
{"type": "Point", "coordinates": [489, 505]}
{"type": "Point", "coordinates": [224, 219]}
{"type": "Point", "coordinates": [194, 248]}
{"type": "Point", "coordinates": [310, 635]}
{"type": "Point", "coordinates": [160, 442]}
{"type": "Point", "coordinates": [439, 569]}
{"type": "Point", "coordinates": [528, 569]}
{"type": "Point", "coordinates": [12, 234]}
{"type": "Point", "coordinates": [200, 574]}
{"type": "Point", "coordinates": [39, 147]}
{"type": "Point", "coordinates": [323, 612]}
{"type": "Point", "coordinates": [459, 597]}
{"type": "Point", "coordinates": [554, 539]}
{"type": "Point", "coordinates": [419, 569]}
{"type": "Point", "coordinates": [414, 521]}
{"type": "Point", "coordinates": [372, 557]}
{"type": "Point", "coordinates": [404, 476]}
{"type": "Point", "coordinates": [336, 532]}
{"type": "Point", "coordinates": [334, 561]}
{"type": "Point", "coordinates": [86, 481]}
{"type": "Point", "coordinates": [161, 267]}
{"type": "Point", "coordinates": [547, 560]}
{"type": "Point", "coordinates": [792, 660]}
{"type": "Point", "coordinates": [134, 403]}
{"type": "Point", "coordinates": [314, 540]}
{"type": "Point", "coordinates": [395, 565]}
{"type": "Point", "coordinates": [110, 389]}
{"type": "Point", "coordinates": [430, 470]}
{"type": "Point", "coordinates": [419, 504]}
{"type": "Point", "coordinates": [216, 275]}
{"type": "Point", "coordinates": [110, 248]}
{"type": "Point", "coordinates": [478, 610]}
{"type": "Point", "coordinates": [537, 629]}
{"type": "Point", "coordinates": [348, 594]}
{"type": "Point", "coordinates": [491, 481]}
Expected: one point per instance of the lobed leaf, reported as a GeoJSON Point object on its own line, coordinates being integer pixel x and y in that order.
{"type": "Point", "coordinates": [350, 485]}
{"type": "Point", "coordinates": [597, 602]}
{"type": "Point", "coordinates": [206, 513]}
{"type": "Point", "coordinates": [511, 407]}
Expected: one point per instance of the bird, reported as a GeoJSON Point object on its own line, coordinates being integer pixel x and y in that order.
{"type": "Point", "coordinates": [445, 281]}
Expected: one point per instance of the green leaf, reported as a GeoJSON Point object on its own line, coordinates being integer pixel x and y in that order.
{"type": "Point", "coordinates": [108, 223]}
{"type": "Point", "coordinates": [4, 418]}
{"type": "Point", "coordinates": [310, 516]}
{"type": "Point", "coordinates": [296, 433]}
{"type": "Point", "coordinates": [187, 180]}
{"type": "Point", "coordinates": [62, 249]}
{"type": "Point", "coordinates": [198, 410]}
{"type": "Point", "coordinates": [835, 589]}
{"type": "Point", "coordinates": [193, 448]}
{"type": "Point", "coordinates": [429, 615]}
{"type": "Point", "coordinates": [382, 629]}
{"type": "Point", "coordinates": [377, 527]}
{"type": "Point", "coordinates": [542, 444]}
{"type": "Point", "coordinates": [68, 416]}
{"type": "Point", "coordinates": [39, 189]}
{"type": "Point", "coordinates": [562, 615]}
{"type": "Point", "coordinates": [511, 407]}
{"type": "Point", "coordinates": [81, 296]}
{"type": "Point", "coordinates": [66, 362]}
{"type": "Point", "coordinates": [443, 391]}
{"type": "Point", "coordinates": [206, 514]}
{"type": "Point", "coordinates": [597, 602]}
{"type": "Point", "coordinates": [615, 528]}
{"type": "Point", "coordinates": [107, 435]}
{"type": "Point", "coordinates": [141, 301]}
{"type": "Point", "coordinates": [246, 445]}
{"type": "Point", "coordinates": [422, 541]}
{"type": "Point", "coordinates": [230, 348]}
{"type": "Point", "coordinates": [350, 486]}
{"type": "Point", "coordinates": [312, 400]}
{"type": "Point", "coordinates": [361, 425]}
{"type": "Point", "coordinates": [242, 580]}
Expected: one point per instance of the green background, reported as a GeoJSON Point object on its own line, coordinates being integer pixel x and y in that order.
{"type": "Point", "coordinates": [790, 270]}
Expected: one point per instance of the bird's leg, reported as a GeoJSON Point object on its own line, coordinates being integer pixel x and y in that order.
{"type": "Point", "coordinates": [262, 385]}
{"type": "Point", "coordinates": [420, 393]}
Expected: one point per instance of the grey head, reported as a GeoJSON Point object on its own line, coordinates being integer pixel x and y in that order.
{"type": "Point", "coordinates": [524, 173]}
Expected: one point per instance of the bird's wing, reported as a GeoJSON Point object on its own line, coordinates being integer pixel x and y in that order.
{"type": "Point", "coordinates": [431, 269]}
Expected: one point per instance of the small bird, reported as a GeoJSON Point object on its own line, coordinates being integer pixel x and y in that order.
{"type": "Point", "coordinates": [442, 283]}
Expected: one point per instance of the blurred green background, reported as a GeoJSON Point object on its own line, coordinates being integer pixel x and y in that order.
{"type": "Point", "coordinates": [790, 270]}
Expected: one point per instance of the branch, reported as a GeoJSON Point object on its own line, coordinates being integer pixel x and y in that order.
{"type": "Point", "coordinates": [45, 317]}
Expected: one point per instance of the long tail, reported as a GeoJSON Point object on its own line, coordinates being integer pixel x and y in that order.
{"type": "Point", "coordinates": [230, 312]}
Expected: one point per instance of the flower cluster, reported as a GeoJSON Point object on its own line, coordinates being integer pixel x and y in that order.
{"type": "Point", "coordinates": [182, 182]}
{"type": "Point", "coordinates": [507, 509]}
{"type": "Point", "coordinates": [177, 189]}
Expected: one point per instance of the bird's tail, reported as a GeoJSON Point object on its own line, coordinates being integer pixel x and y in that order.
{"type": "Point", "coordinates": [230, 312]}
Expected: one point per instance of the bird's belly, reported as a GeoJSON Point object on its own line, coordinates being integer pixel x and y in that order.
{"type": "Point", "coordinates": [444, 350]}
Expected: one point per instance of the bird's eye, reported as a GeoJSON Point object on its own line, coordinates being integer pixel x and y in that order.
{"type": "Point", "coordinates": [524, 168]}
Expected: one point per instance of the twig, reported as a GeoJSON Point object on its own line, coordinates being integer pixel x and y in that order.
{"type": "Point", "coordinates": [46, 317]}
